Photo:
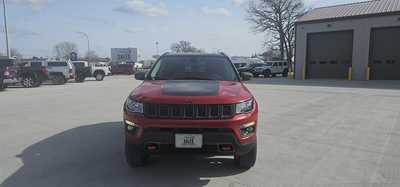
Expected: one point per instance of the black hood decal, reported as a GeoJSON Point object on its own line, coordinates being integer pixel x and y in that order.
{"type": "Point", "coordinates": [191, 88]}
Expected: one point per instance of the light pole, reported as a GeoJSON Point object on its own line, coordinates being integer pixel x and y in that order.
{"type": "Point", "coordinates": [88, 43]}
{"type": "Point", "coordinates": [6, 28]}
{"type": "Point", "coordinates": [158, 51]}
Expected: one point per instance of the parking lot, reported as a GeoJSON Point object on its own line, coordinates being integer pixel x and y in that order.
{"type": "Point", "coordinates": [311, 133]}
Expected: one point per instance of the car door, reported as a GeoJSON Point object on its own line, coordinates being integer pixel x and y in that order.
{"type": "Point", "coordinates": [274, 68]}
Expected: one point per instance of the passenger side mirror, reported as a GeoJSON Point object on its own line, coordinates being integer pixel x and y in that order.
{"type": "Point", "coordinates": [246, 76]}
{"type": "Point", "coordinates": [140, 75]}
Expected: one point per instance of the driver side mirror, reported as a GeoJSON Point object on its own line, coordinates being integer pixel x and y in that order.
{"type": "Point", "coordinates": [140, 75]}
{"type": "Point", "coordinates": [246, 76]}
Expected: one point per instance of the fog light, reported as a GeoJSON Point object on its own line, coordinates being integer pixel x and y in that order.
{"type": "Point", "coordinates": [248, 129]}
{"type": "Point", "coordinates": [130, 126]}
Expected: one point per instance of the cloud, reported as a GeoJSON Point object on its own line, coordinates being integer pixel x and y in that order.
{"type": "Point", "coordinates": [140, 7]}
{"type": "Point", "coordinates": [20, 32]}
{"type": "Point", "coordinates": [133, 30]}
{"type": "Point", "coordinates": [239, 2]}
{"type": "Point", "coordinates": [34, 4]}
{"type": "Point", "coordinates": [216, 11]}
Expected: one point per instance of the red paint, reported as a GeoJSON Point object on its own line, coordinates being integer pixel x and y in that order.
{"type": "Point", "coordinates": [229, 93]}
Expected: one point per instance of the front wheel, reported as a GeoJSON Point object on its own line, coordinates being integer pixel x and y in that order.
{"type": "Point", "coordinates": [247, 160]}
{"type": "Point", "coordinates": [79, 79]}
{"type": "Point", "coordinates": [267, 73]}
{"type": "Point", "coordinates": [59, 80]}
{"type": "Point", "coordinates": [29, 82]}
{"type": "Point", "coordinates": [99, 76]}
{"type": "Point", "coordinates": [135, 155]}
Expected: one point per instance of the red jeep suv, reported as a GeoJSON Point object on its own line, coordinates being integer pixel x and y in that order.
{"type": "Point", "coordinates": [191, 103]}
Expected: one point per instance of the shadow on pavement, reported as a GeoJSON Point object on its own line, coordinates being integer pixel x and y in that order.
{"type": "Point", "coordinates": [373, 84]}
{"type": "Point", "coordinates": [93, 155]}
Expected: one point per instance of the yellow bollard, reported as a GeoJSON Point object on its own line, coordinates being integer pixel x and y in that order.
{"type": "Point", "coordinates": [350, 74]}
{"type": "Point", "coordinates": [290, 72]}
{"type": "Point", "coordinates": [368, 73]}
{"type": "Point", "coordinates": [303, 73]}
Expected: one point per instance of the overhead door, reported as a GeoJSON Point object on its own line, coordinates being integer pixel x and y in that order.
{"type": "Point", "coordinates": [385, 54]}
{"type": "Point", "coordinates": [329, 55]}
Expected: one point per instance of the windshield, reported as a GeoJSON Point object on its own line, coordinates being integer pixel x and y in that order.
{"type": "Point", "coordinates": [193, 68]}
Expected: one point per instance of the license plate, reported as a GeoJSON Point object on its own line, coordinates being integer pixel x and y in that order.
{"type": "Point", "coordinates": [188, 140]}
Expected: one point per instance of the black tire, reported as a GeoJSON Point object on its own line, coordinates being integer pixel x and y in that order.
{"type": "Point", "coordinates": [30, 81]}
{"type": "Point", "coordinates": [247, 160]}
{"type": "Point", "coordinates": [135, 155]}
{"type": "Point", "coordinates": [59, 80]}
{"type": "Point", "coordinates": [285, 73]}
{"type": "Point", "coordinates": [267, 73]}
{"type": "Point", "coordinates": [80, 79]}
{"type": "Point", "coordinates": [2, 85]}
{"type": "Point", "coordinates": [99, 76]}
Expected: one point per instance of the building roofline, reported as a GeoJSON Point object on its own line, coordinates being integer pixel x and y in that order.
{"type": "Point", "coordinates": [349, 17]}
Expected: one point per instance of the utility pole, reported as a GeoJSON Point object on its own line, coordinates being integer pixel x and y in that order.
{"type": "Point", "coordinates": [6, 28]}
{"type": "Point", "coordinates": [158, 51]}
{"type": "Point", "coordinates": [88, 43]}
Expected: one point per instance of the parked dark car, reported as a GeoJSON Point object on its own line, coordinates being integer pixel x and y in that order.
{"type": "Point", "coordinates": [29, 74]}
{"type": "Point", "coordinates": [5, 78]}
{"type": "Point", "coordinates": [250, 68]}
{"type": "Point", "coordinates": [123, 69]}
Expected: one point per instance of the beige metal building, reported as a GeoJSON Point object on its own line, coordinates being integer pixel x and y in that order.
{"type": "Point", "coordinates": [360, 41]}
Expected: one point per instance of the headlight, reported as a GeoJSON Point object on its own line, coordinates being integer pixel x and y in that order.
{"type": "Point", "coordinates": [245, 107]}
{"type": "Point", "coordinates": [133, 106]}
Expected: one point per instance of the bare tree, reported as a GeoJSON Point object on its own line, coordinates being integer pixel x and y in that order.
{"type": "Point", "coordinates": [63, 49]}
{"type": "Point", "coordinates": [91, 55]}
{"type": "Point", "coordinates": [278, 18]}
{"type": "Point", "coordinates": [15, 53]}
{"type": "Point", "coordinates": [184, 47]}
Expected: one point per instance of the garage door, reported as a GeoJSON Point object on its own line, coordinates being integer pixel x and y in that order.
{"type": "Point", "coordinates": [385, 54]}
{"type": "Point", "coordinates": [329, 55]}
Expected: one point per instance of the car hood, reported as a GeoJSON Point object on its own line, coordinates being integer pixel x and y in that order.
{"type": "Point", "coordinates": [191, 92]}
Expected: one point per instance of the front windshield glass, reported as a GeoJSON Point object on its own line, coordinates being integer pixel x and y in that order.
{"type": "Point", "coordinates": [193, 68]}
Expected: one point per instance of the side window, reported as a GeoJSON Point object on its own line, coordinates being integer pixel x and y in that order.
{"type": "Point", "coordinates": [285, 64]}
{"type": "Point", "coordinates": [280, 63]}
{"type": "Point", "coordinates": [57, 64]}
{"type": "Point", "coordinates": [275, 64]}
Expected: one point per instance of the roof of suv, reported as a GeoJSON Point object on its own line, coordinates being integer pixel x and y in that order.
{"type": "Point", "coordinates": [193, 54]}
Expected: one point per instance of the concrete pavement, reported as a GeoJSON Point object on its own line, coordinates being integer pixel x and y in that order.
{"type": "Point", "coordinates": [312, 133]}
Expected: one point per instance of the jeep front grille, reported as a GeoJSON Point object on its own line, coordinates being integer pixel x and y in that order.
{"type": "Point", "coordinates": [189, 111]}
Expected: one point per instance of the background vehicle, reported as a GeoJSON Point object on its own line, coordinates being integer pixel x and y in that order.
{"type": "Point", "coordinates": [60, 71]}
{"type": "Point", "coordinates": [250, 68]}
{"type": "Point", "coordinates": [29, 74]}
{"type": "Point", "coordinates": [5, 74]}
{"type": "Point", "coordinates": [83, 70]}
{"type": "Point", "coordinates": [101, 66]}
{"type": "Point", "coordinates": [123, 69]}
{"type": "Point", "coordinates": [272, 69]}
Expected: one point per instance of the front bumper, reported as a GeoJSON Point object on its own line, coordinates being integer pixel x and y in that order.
{"type": "Point", "coordinates": [213, 141]}
{"type": "Point", "coordinates": [161, 132]}
{"type": "Point", "coordinates": [10, 81]}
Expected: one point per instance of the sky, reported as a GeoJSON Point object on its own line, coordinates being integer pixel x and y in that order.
{"type": "Point", "coordinates": [35, 26]}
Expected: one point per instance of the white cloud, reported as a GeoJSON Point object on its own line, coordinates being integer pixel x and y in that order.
{"type": "Point", "coordinates": [34, 4]}
{"type": "Point", "coordinates": [140, 7]}
{"type": "Point", "coordinates": [239, 2]}
{"type": "Point", "coordinates": [216, 11]}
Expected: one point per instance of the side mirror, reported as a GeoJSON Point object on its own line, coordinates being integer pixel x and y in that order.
{"type": "Point", "coordinates": [140, 75]}
{"type": "Point", "coordinates": [246, 76]}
